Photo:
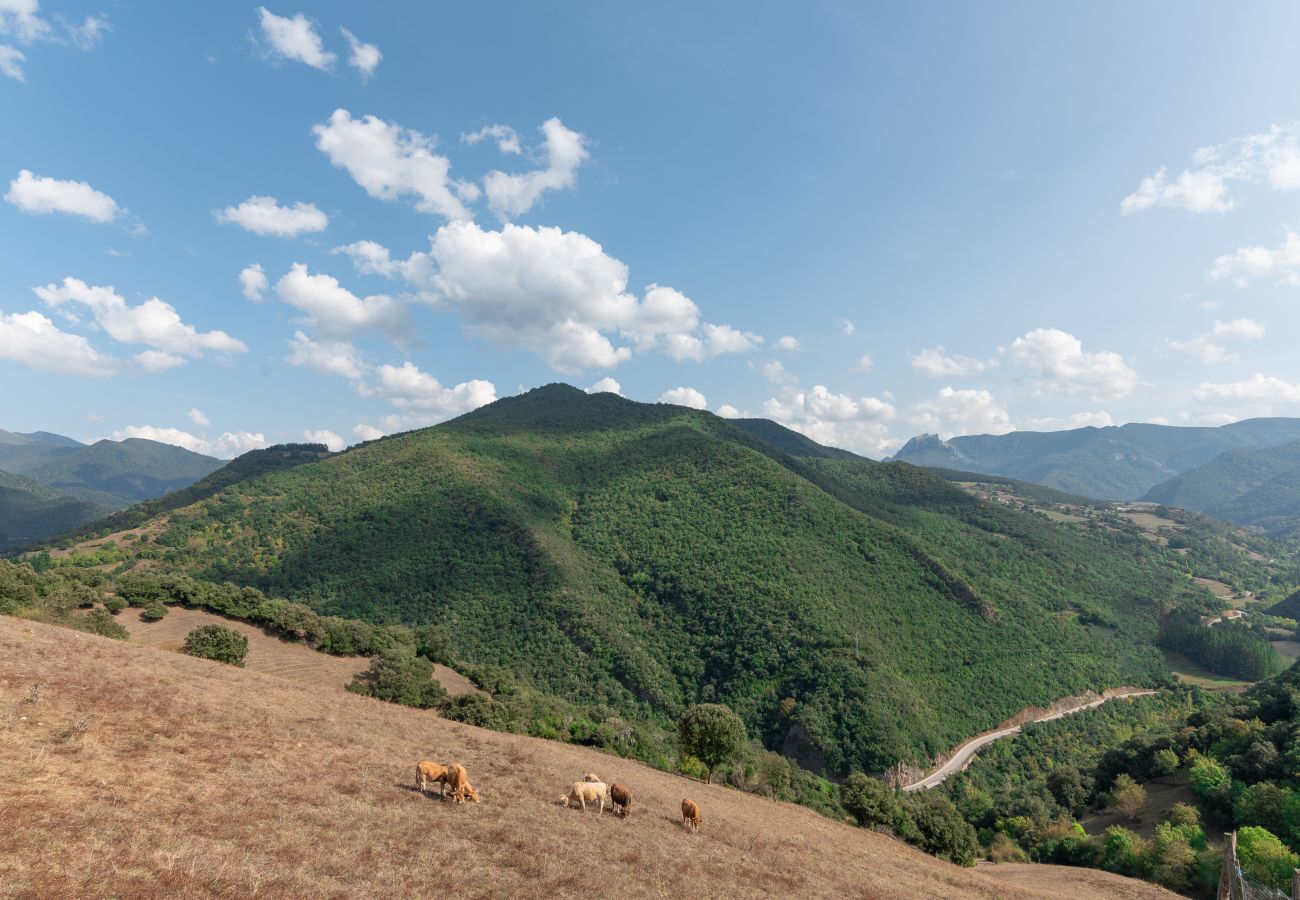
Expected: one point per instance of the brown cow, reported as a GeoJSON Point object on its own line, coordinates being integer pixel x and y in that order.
{"type": "Point", "coordinates": [461, 789]}
{"type": "Point", "coordinates": [427, 773]}
{"type": "Point", "coordinates": [690, 816]}
{"type": "Point", "coordinates": [621, 799]}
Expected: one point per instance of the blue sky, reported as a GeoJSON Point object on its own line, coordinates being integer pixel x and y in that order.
{"type": "Point", "coordinates": [863, 221]}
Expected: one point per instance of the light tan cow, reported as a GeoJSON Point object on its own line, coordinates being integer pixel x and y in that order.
{"type": "Point", "coordinates": [584, 791]}
{"type": "Point", "coordinates": [461, 789]}
{"type": "Point", "coordinates": [427, 773]}
{"type": "Point", "coordinates": [690, 816]}
{"type": "Point", "coordinates": [592, 777]}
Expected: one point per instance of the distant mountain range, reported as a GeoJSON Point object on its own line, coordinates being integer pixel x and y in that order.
{"type": "Point", "coordinates": [1116, 463]}
{"type": "Point", "coordinates": [50, 483]}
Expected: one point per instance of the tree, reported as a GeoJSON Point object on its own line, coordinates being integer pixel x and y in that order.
{"type": "Point", "coordinates": [399, 676]}
{"type": "Point", "coordinates": [1210, 780]}
{"type": "Point", "coordinates": [935, 825]}
{"type": "Point", "coordinates": [1166, 762]}
{"type": "Point", "coordinates": [1069, 787]}
{"type": "Point", "coordinates": [712, 733]}
{"type": "Point", "coordinates": [1264, 858]}
{"type": "Point", "coordinates": [871, 802]}
{"type": "Point", "coordinates": [154, 612]}
{"type": "Point", "coordinates": [1127, 797]}
{"type": "Point", "coordinates": [773, 772]}
{"type": "Point", "coordinates": [217, 642]}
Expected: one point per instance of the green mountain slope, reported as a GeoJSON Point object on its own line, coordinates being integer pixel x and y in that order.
{"type": "Point", "coordinates": [30, 511]}
{"type": "Point", "coordinates": [1114, 463]}
{"type": "Point", "coordinates": [1245, 487]}
{"type": "Point", "coordinates": [647, 556]}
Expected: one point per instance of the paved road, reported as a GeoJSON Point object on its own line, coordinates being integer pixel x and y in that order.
{"type": "Point", "coordinates": [961, 759]}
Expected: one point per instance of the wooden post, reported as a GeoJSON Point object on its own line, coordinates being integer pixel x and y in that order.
{"type": "Point", "coordinates": [1295, 884]}
{"type": "Point", "coordinates": [1227, 877]}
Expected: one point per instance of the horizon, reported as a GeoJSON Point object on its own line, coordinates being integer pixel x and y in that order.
{"type": "Point", "coordinates": [278, 224]}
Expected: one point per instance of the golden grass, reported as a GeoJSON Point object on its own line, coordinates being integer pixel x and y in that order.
{"type": "Point", "coordinates": [131, 772]}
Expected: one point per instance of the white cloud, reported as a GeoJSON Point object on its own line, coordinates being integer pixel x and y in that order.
{"type": "Point", "coordinates": [366, 432]}
{"type": "Point", "coordinates": [865, 363]}
{"type": "Point", "coordinates": [158, 361]}
{"type": "Point", "coordinates": [727, 411]}
{"type": "Point", "coordinates": [253, 283]}
{"type": "Point", "coordinates": [776, 373]}
{"type": "Point", "coordinates": [392, 163]}
{"type": "Point", "coordinates": [937, 364]}
{"type": "Point", "coordinates": [847, 327]}
{"type": "Point", "coordinates": [1272, 157]}
{"type": "Point", "coordinates": [786, 342]}
{"type": "Point", "coordinates": [1098, 419]}
{"type": "Point", "coordinates": [965, 411]}
{"type": "Point", "coordinates": [198, 418]}
{"type": "Point", "coordinates": [371, 258]}
{"type": "Point", "coordinates": [333, 442]}
{"type": "Point", "coordinates": [230, 444]}
{"type": "Point", "coordinates": [294, 39]}
{"type": "Point", "coordinates": [33, 340]}
{"type": "Point", "coordinates": [1260, 390]}
{"type": "Point", "coordinates": [337, 313]}
{"type": "Point", "coordinates": [11, 62]}
{"type": "Point", "coordinates": [326, 357]}
{"type": "Point", "coordinates": [1060, 364]}
{"type": "Point", "coordinates": [684, 396]}
{"type": "Point", "coordinates": [21, 19]}
{"type": "Point", "coordinates": [510, 195]}
{"type": "Point", "coordinates": [365, 57]}
{"type": "Point", "coordinates": [153, 322]}
{"type": "Point", "coordinates": [265, 216]}
{"type": "Point", "coordinates": [606, 385]}
{"type": "Point", "coordinates": [507, 139]}
{"type": "Point", "coordinates": [422, 398]}
{"type": "Point", "coordinates": [1249, 263]}
{"type": "Point", "coordinates": [839, 420]}
{"type": "Point", "coordinates": [1208, 347]}
{"type": "Point", "coordinates": [39, 195]}
{"type": "Point", "coordinates": [89, 33]}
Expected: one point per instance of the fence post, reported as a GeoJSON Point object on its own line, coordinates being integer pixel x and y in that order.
{"type": "Point", "coordinates": [1295, 884]}
{"type": "Point", "coordinates": [1226, 878]}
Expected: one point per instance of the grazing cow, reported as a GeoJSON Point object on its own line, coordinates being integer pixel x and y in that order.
{"type": "Point", "coordinates": [690, 816]}
{"type": "Point", "coordinates": [583, 791]}
{"type": "Point", "coordinates": [427, 773]}
{"type": "Point", "coordinates": [461, 789]}
{"type": "Point", "coordinates": [620, 800]}
{"type": "Point", "coordinates": [593, 777]}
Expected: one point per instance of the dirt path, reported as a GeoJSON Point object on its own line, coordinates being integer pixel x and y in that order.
{"type": "Point", "coordinates": [961, 757]}
{"type": "Point", "coordinates": [266, 652]}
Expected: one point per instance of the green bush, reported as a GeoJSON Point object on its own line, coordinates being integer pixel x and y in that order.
{"type": "Point", "coordinates": [712, 733]}
{"type": "Point", "coordinates": [217, 642]}
{"type": "Point", "coordinates": [115, 604]}
{"type": "Point", "coordinates": [872, 803]}
{"type": "Point", "coordinates": [101, 622]}
{"type": "Point", "coordinates": [399, 676]}
{"type": "Point", "coordinates": [1264, 858]}
{"type": "Point", "coordinates": [935, 825]}
{"type": "Point", "coordinates": [154, 612]}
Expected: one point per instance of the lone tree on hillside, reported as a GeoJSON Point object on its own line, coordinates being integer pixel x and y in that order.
{"type": "Point", "coordinates": [712, 733]}
{"type": "Point", "coordinates": [399, 676]}
{"type": "Point", "coordinates": [1127, 796]}
{"type": "Point", "coordinates": [217, 642]}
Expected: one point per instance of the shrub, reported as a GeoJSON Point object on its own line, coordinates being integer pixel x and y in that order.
{"type": "Point", "coordinates": [935, 825]}
{"type": "Point", "coordinates": [1003, 849]}
{"type": "Point", "coordinates": [1264, 858]}
{"type": "Point", "coordinates": [712, 733]}
{"type": "Point", "coordinates": [1127, 797]}
{"type": "Point", "coordinates": [871, 802]}
{"type": "Point", "coordinates": [114, 604]}
{"type": "Point", "coordinates": [154, 612]}
{"type": "Point", "coordinates": [101, 622]}
{"type": "Point", "coordinates": [217, 642]}
{"type": "Point", "coordinates": [399, 676]}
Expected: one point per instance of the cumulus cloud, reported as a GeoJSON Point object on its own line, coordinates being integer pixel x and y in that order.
{"type": "Point", "coordinates": [153, 322]}
{"type": "Point", "coordinates": [337, 313]}
{"type": "Point", "coordinates": [20, 20]}
{"type": "Point", "coordinates": [865, 363]}
{"type": "Point", "coordinates": [33, 340]}
{"type": "Point", "coordinates": [253, 283]}
{"type": "Point", "coordinates": [326, 357]}
{"type": "Point", "coordinates": [366, 432]}
{"type": "Point", "coordinates": [506, 138]}
{"type": "Point", "coordinates": [512, 194]}
{"type": "Point", "coordinates": [333, 442]}
{"type": "Point", "coordinates": [776, 373]}
{"type": "Point", "coordinates": [11, 62]}
{"type": "Point", "coordinates": [786, 342]}
{"type": "Point", "coordinates": [727, 411]}
{"type": "Point", "coordinates": [606, 385]}
{"type": "Point", "coordinates": [1208, 347]}
{"type": "Point", "coordinates": [1059, 363]}
{"type": "Point", "coordinates": [933, 361]}
{"type": "Point", "coordinates": [228, 445]}
{"type": "Point", "coordinates": [684, 396]}
{"type": "Point", "coordinates": [295, 39]}
{"type": "Point", "coordinates": [1261, 392]}
{"type": "Point", "coordinates": [265, 216]}
{"type": "Point", "coordinates": [371, 258]}
{"type": "Point", "coordinates": [40, 196]}
{"type": "Point", "coordinates": [422, 399]}
{"type": "Point", "coordinates": [198, 418]}
{"type": "Point", "coordinates": [847, 327]}
{"type": "Point", "coordinates": [1271, 157]}
{"type": "Point", "coordinates": [1250, 263]}
{"type": "Point", "coordinates": [1098, 419]}
{"type": "Point", "coordinates": [365, 57]}
{"type": "Point", "coordinates": [393, 163]}
{"type": "Point", "coordinates": [839, 420]}
{"type": "Point", "coordinates": [157, 360]}
{"type": "Point", "coordinates": [965, 411]}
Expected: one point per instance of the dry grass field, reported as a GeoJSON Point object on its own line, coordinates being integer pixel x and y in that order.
{"type": "Point", "coordinates": [129, 772]}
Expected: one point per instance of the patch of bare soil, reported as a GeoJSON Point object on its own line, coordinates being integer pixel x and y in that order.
{"type": "Point", "coordinates": [1067, 883]}
{"type": "Point", "coordinates": [132, 772]}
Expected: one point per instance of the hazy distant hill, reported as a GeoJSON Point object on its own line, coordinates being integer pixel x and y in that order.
{"type": "Point", "coordinates": [30, 511]}
{"type": "Point", "coordinates": [1245, 487]}
{"type": "Point", "coordinates": [1114, 463]}
{"type": "Point", "coordinates": [639, 557]}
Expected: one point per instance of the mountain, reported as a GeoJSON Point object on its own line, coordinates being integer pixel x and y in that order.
{"type": "Point", "coordinates": [1113, 463]}
{"type": "Point", "coordinates": [30, 511]}
{"type": "Point", "coordinates": [1260, 488]}
{"type": "Point", "coordinates": [113, 474]}
{"type": "Point", "coordinates": [640, 557]}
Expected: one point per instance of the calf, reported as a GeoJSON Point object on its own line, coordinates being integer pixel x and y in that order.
{"type": "Point", "coordinates": [690, 816]}
{"type": "Point", "coordinates": [583, 791]}
{"type": "Point", "coordinates": [620, 799]}
{"type": "Point", "coordinates": [427, 773]}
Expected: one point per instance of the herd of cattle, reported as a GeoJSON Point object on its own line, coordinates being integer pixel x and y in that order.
{"type": "Point", "coordinates": [590, 790]}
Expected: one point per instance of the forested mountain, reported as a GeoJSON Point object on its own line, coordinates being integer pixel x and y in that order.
{"type": "Point", "coordinates": [113, 474]}
{"type": "Point", "coordinates": [640, 557]}
{"type": "Point", "coordinates": [30, 511]}
{"type": "Point", "coordinates": [1114, 463]}
{"type": "Point", "coordinates": [1245, 487]}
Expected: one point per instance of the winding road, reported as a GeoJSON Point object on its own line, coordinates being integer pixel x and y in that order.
{"type": "Point", "coordinates": [962, 756]}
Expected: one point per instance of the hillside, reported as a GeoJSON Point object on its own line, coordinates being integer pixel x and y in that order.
{"type": "Point", "coordinates": [1114, 463]}
{"type": "Point", "coordinates": [114, 474]}
{"type": "Point", "coordinates": [636, 558]}
{"type": "Point", "coordinates": [198, 779]}
{"type": "Point", "coordinates": [30, 511]}
{"type": "Point", "coordinates": [1246, 487]}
